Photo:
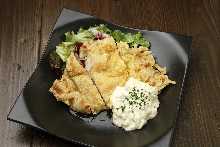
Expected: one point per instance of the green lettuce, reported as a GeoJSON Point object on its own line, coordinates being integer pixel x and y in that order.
{"type": "Point", "coordinates": [64, 51]}
{"type": "Point", "coordinates": [134, 40]}
{"type": "Point", "coordinates": [103, 29]}
{"type": "Point", "coordinates": [65, 48]}
{"type": "Point", "coordinates": [139, 40]}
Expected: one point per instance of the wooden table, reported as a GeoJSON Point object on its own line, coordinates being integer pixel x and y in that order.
{"type": "Point", "coordinates": [24, 30]}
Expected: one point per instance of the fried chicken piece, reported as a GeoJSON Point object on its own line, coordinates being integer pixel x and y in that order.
{"type": "Point", "coordinates": [76, 89]}
{"type": "Point", "coordinates": [106, 67]}
{"type": "Point", "coordinates": [141, 65]}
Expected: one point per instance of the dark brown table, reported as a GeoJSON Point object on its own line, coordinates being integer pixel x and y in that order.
{"type": "Point", "coordinates": [24, 31]}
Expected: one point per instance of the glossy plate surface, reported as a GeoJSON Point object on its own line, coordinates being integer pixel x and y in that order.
{"type": "Point", "coordinates": [39, 109]}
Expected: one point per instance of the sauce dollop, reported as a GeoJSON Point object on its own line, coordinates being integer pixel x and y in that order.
{"type": "Point", "coordinates": [134, 104]}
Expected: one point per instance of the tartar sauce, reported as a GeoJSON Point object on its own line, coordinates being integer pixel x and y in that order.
{"type": "Point", "coordinates": [134, 104]}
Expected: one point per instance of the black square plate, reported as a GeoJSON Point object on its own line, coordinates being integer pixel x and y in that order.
{"type": "Point", "coordinates": [36, 107]}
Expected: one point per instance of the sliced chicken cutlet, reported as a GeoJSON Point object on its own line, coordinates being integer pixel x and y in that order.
{"type": "Point", "coordinates": [110, 65]}
{"type": "Point", "coordinates": [105, 66]}
{"type": "Point", "coordinates": [77, 90]}
{"type": "Point", "coordinates": [141, 65]}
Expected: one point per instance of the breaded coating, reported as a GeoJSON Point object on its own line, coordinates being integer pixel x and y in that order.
{"type": "Point", "coordinates": [77, 90]}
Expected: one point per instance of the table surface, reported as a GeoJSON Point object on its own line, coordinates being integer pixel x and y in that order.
{"type": "Point", "coordinates": [24, 30]}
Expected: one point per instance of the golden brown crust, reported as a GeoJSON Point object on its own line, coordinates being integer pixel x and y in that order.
{"type": "Point", "coordinates": [106, 67]}
{"type": "Point", "coordinates": [77, 90]}
{"type": "Point", "coordinates": [73, 67]}
{"type": "Point", "coordinates": [142, 66]}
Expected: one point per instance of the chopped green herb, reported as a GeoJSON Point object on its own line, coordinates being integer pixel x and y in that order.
{"type": "Point", "coordinates": [136, 98]}
{"type": "Point", "coordinates": [122, 108]}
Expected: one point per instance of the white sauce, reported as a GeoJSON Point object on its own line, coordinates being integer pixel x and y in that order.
{"type": "Point", "coordinates": [132, 110]}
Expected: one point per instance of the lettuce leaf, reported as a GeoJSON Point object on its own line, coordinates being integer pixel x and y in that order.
{"type": "Point", "coordinates": [118, 35]}
{"type": "Point", "coordinates": [81, 36]}
{"type": "Point", "coordinates": [104, 29]}
{"type": "Point", "coordinates": [139, 40]}
{"type": "Point", "coordinates": [134, 40]}
{"type": "Point", "coordinates": [64, 49]}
